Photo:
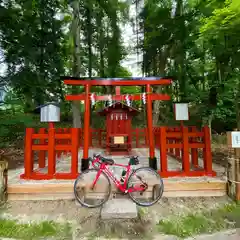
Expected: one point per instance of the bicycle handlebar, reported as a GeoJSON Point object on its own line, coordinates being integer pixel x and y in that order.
{"type": "Point", "coordinates": [130, 156]}
{"type": "Point", "coordinates": [98, 154]}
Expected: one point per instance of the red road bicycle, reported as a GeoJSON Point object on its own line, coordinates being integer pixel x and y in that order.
{"type": "Point", "coordinates": [93, 188]}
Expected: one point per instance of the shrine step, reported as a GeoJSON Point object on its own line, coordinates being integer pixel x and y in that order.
{"type": "Point", "coordinates": [119, 209]}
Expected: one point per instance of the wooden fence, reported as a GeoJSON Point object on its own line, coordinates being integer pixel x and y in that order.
{"type": "Point", "coordinates": [182, 143]}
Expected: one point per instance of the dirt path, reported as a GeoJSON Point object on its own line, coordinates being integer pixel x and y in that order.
{"type": "Point", "coordinates": [86, 219]}
{"type": "Point", "coordinates": [69, 211]}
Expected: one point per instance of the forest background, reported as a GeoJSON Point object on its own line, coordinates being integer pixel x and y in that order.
{"type": "Point", "coordinates": [195, 41]}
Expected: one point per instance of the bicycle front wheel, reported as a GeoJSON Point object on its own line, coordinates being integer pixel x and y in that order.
{"type": "Point", "coordinates": [88, 194]}
{"type": "Point", "coordinates": [148, 177]}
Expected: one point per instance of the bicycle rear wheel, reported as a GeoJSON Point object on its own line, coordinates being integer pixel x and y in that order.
{"type": "Point", "coordinates": [154, 190]}
{"type": "Point", "coordinates": [89, 196]}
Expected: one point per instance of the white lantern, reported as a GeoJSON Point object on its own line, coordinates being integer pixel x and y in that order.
{"type": "Point", "coordinates": [50, 112]}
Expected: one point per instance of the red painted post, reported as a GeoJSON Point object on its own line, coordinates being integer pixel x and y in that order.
{"type": "Point", "coordinates": [64, 141]}
{"type": "Point", "coordinates": [42, 153]}
{"type": "Point", "coordinates": [59, 141]}
{"type": "Point", "coordinates": [176, 140]}
{"type": "Point", "coordinates": [194, 151]}
{"type": "Point", "coordinates": [171, 149]}
{"type": "Point", "coordinates": [163, 150]}
{"type": "Point", "coordinates": [152, 158]}
{"type": "Point", "coordinates": [185, 151]}
{"type": "Point", "coordinates": [207, 151]}
{"type": "Point", "coordinates": [181, 131]}
{"type": "Point", "coordinates": [177, 150]}
{"type": "Point", "coordinates": [74, 144]}
{"type": "Point", "coordinates": [51, 152]}
{"type": "Point", "coordinates": [85, 162]}
{"type": "Point", "coordinates": [28, 154]}
{"type": "Point", "coordinates": [51, 125]}
{"type": "Point", "coordinates": [149, 121]}
{"type": "Point", "coordinates": [118, 90]}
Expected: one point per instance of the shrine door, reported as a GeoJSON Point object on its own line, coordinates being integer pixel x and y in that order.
{"type": "Point", "coordinates": [118, 123]}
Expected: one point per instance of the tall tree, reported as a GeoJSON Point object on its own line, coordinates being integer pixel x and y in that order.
{"type": "Point", "coordinates": [32, 43]}
{"type": "Point", "coordinates": [76, 68]}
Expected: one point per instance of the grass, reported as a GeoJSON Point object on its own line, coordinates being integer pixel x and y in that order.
{"type": "Point", "coordinates": [202, 222]}
{"type": "Point", "coordinates": [13, 229]}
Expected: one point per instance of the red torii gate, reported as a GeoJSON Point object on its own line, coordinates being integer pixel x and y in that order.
{"type": "Point", "coordinates": [143, 81]}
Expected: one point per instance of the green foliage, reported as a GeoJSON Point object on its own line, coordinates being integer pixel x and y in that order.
{"type": "Point", "coordinates": [12, 126]}
{"type": "Point", "coordinates": [202, 222]}
{"type": "Point", "coordinates": [197, 42]}
{"type": "Point", "coordinates": [198, 45]}
{"type": "Point", "coordinates": [32, 43]}
{"type": "Point", "coordinates": [13, 229]}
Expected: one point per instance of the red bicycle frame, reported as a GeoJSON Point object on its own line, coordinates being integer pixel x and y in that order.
{"type": "Point", "coordinates": [122, 187]}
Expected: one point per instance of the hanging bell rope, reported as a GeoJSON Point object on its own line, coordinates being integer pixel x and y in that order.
{"type": "Point", "coordinates": [144, 98]}
{"type": "Point", "coordinates": [128, 101]}
{"type": "Point", "coordinates": [110, 101]}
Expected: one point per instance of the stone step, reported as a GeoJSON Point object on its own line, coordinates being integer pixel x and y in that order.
{"type": "Point", "coordinates": [119, 209]}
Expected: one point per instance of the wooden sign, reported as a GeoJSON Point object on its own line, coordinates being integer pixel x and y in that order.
{"type": "Point", "coordinates": [181, 111]}
{"type": "Point", "coordinates": [118, 140]}
{"type": "Point", "coordinates": [50, 112]}
{"type": "Point", "coordinates": [233, 139]}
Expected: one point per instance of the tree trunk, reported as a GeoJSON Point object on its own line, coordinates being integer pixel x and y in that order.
{"type": "Point", "coordinates": [89, 37]}
{"type": "Point", "coordinates": [180, 58]}
{"type": "Point", "coordinates": [101, 43]}
{"type": "Point", "coordinates": [76, 69]}
{"type": "Point", "coordinates": [157, 104]}
{"type": "Point", "coordinates": [238, 106]}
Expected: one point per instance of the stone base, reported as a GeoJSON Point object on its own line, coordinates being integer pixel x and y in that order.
{"type": "Point", "coordinates": [153, 163]}
{"type": "Point", "coordinates": [119, 209]}
{"type": "Point", "coordinates": [85, 164]}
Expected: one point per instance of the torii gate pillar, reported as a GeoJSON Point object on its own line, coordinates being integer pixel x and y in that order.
{"type": "Point", "coordinates": [85, 159]}
{"type": "Point", "coordinates": [152, 158]}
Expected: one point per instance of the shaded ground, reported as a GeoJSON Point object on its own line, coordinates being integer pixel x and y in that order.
{"type": "Point", "coordinates": [220, 154]}
{"type": "Point", "coordinates": [15, 157]}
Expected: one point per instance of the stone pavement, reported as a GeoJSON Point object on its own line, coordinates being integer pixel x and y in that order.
{"type": "Point", "coordinates": [63, 165]}
{"type": "Point", "coordinates": [224, 235]}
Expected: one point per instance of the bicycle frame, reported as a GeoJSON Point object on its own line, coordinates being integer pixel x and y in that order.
{"type": "Point", "coordinates": [122, 187]}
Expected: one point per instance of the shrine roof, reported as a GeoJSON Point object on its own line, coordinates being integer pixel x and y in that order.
{"type": "Point", "coordinates": [127, 81]}
{"type": "Point", "coordinates": [117, 105]}
{"type": "Point", "coordinates": [117, 79]}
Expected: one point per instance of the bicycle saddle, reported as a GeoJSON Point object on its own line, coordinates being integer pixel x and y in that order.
{"type": "Point", "coordinates": [107, 160]}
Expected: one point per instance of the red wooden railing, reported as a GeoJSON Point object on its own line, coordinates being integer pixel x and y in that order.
{"type": "Point", "coordinates": [98, 137]}
{"type": "Point", "coordinates": [53, 142]}
{"type": "Point", "coordinates": [139, 138]}
{"type": "Point", "coordinates": [183, 143]}
{"type": "Point", "coordinates": [180, 142]}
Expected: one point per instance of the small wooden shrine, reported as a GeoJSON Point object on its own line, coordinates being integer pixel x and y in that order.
{"type": "Point", "coordinates": [118, 127]}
